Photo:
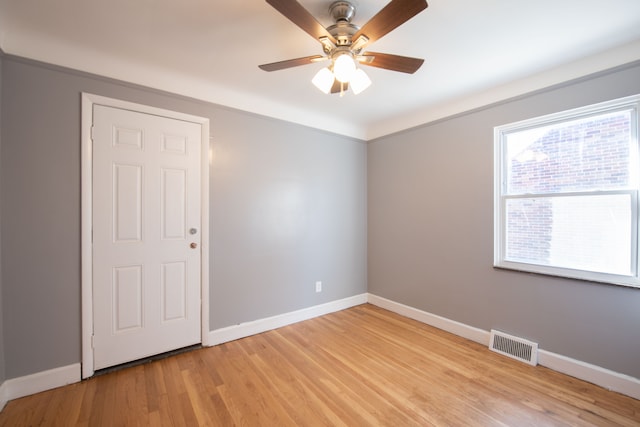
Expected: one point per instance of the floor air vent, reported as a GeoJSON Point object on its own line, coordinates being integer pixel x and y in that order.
{"type": "Point", "coordinates": [514, 347]}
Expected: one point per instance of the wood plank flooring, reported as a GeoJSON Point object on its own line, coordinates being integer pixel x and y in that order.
{"type": "Point", "coordinates": [359, 367]}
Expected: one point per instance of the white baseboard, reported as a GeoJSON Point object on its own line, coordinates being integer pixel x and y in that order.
{"type": "Point", "coordinates": [597, 375]}
{"type": "Point", "coordinates": [602, 377]}
{"type": "Point", "coordinates": [242, 330]}
{"type": "Point", "coordinates": [457, 328]}
{"type": "Point", "coordinates": [41, 381]}
{"type": "Point", "coordinates": [3, 395]}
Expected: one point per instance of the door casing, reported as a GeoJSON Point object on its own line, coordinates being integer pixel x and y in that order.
{"type": "Point", "coordinates": [88, 101]}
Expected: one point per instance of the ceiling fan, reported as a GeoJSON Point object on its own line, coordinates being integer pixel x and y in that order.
{"type": "Point", "coordinates": [344, 43]}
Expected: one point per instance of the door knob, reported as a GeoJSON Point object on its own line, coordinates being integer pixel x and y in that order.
{"type": "Point", "coordinates": [193, 245]}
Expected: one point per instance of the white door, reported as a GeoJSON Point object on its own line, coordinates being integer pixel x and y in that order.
{"type": "Point", "coordinates": [146, 235]}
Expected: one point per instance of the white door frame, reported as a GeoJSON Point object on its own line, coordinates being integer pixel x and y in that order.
{"type": "Point", "coordinates": [88, 101]}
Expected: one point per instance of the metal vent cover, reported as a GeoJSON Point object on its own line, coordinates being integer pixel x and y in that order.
{"type": "Point", "coordinates": [514, 347]}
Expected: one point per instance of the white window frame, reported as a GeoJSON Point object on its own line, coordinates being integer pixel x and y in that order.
{"type": "Point", "coordinates": [500, 182]}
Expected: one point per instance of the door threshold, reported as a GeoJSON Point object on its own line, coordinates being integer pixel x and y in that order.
{"type": "Point", "coordinates": [146, 360]}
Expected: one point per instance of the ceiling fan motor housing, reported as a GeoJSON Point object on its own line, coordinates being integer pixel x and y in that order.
{"type": "Point", "coordinates": [342, 11]}
{"type": "Point", "coordinates": [343, 30]}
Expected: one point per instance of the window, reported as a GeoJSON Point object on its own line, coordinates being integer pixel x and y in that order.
{"type": "Point", "coordinates": [566, 194]}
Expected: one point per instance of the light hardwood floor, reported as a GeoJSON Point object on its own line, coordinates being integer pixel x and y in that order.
{"type": "Point", "coordinates": [359, 367]}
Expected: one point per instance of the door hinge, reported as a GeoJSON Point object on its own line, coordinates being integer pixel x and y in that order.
{"type": "Point", "coordinates": [93, 341]}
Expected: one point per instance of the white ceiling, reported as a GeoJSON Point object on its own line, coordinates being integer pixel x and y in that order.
{"type": "Point", "coordinates": [475, 52]}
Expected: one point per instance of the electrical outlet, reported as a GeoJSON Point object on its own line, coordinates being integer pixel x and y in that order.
{"type": "Point", "coordinates": [318, 286]}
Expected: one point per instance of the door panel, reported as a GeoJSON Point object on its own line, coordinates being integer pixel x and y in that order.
{"type": "Point", "coordinates": [174, 182]}
{"type": "Point", "coordinates": [127, 297]}
{"type": "Point", "coordinates": [127, 203]}
{"type": "Point", "coordinates": [146, 265]}
{"type": "Point", "coordinates": [174, 291]}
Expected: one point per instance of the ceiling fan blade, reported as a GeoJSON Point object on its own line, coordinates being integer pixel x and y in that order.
{"type": "Point", "coordinates": [404, 64]}
{"type": "Point", "coordinates": [297, 14]}
{"type": "Point", "coordinates": [394, 14]}
{"type": "Point", "coordinates": [281, 65]}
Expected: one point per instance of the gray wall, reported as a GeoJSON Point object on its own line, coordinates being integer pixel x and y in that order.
{"type": "Point", "coordinates": [430, 235]}
{"type": "Point", "coordinates": [2, 370]}
{"type": "Point", "coordinates": [288, 207]}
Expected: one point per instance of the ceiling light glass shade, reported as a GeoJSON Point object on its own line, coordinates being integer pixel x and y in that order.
{"type": "Point", "coordinates": [360, 81]}
{"type": "Point", "coordinates": [323, 80]}
{"type": "Point", "coordinates": [344, 67]}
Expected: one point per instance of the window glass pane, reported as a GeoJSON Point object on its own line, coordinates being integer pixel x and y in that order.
{"type": "Point", "coordinates": [586, 154]}
{"type": "Point", "coordinates": [591, 233]}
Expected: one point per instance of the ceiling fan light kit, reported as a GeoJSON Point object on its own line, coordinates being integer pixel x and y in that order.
{"type": "Point", "coordinates": [343, 67]}
{"type": "Point", "coordinates": [326, 80]}
{"type": "Point", "coordinates": [323, 80]}
{"type": "Point", "coordinates": [344, 43]}
{"type": "Point", "coordinates": [360, 81]}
